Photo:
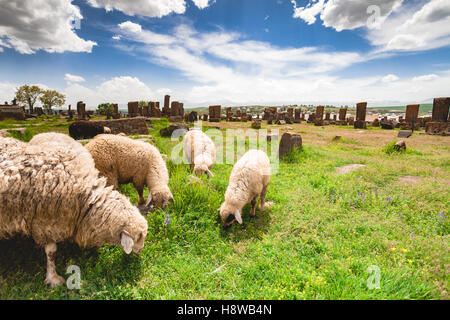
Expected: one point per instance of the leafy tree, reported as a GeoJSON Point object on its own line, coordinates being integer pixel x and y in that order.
{"type": "Point", "coordinates": [101, 109]}
{"type": "Point", "coordinates": [143, 103]}
{"type": "Point", "coordinates": [28, 95]}
{"type": "Point", "coordinates": [51, 98]}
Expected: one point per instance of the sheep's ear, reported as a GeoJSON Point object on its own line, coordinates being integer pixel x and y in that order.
{"type": "Point", "coordinates": [238, 217]}
{"type": "Point", "coordinates": [149, 199]}
{"type": "Point", "coordinates": [126, 242]}
{"type": "Point", "coordinates": [209, 173]}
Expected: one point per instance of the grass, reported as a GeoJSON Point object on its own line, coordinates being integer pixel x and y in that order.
{"type": "Point", "coordinates": [317, 241]}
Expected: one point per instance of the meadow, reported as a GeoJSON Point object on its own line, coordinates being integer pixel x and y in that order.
{"type": "Point", "coordinates": [326, 236]}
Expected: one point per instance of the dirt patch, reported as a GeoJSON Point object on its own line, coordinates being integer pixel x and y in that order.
{"type": "Point", "coordinates": [348, 168]}
{"type": "Point", "coordinates": [410, 179]}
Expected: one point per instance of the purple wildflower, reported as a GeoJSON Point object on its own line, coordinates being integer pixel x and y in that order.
{"type": "Point", "coordinates": [376, 191]}
{"type": "Point", "coordinates": [442, 215]}
{"type": "Point", "coordinates": [400, 215]}
{"type": "Point", "coordinates": [411, 236]}
{"type": "Point", "coordinates": [167, 221]}
{"type": "Point", "coordinates": [389, 199]}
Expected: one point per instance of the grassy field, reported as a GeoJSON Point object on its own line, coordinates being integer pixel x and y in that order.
{"type": "Point", "coordinates": [317, 241]}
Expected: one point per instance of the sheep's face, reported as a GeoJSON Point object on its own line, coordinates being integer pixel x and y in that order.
{"type": "Point", "coordinates": [132, 239]}
{"type": "Point", "coordinates": [229, 215]}
{"type": "Point", "coordinates": [159, 198]}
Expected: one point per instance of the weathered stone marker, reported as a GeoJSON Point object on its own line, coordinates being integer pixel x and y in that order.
{"type": "Point", "coordinates": [439, 123]}
{"type": "Point", "coordinates": [318, 119]}
{"type": "Point", "coordinates": [360, 122]}
{"type": "Point", "coordinates": [214, 113]}
{"type": "Point", "coordinates": [288, 141]}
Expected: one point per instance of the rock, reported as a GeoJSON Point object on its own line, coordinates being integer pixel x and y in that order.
{"type": "Point", "coordinates": [167, 132]}
{"type": "Point", "coordinates": [256, 124]}
{"type": "Point", "coordinates": [288, 141]}
{"type": "Point", "coordinates": [289, 128]}
{"type": "Point", "coordinates": [336, 138]}
{"type": "Point", "coordinates": [400, 145]}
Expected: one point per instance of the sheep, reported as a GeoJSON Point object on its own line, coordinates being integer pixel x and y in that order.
{"type": "Point", "coordinates": [86, 129]}
{"type": "Point", "coordinates": [200, 152]}
{"type": "Point", "coordinates": [52, 138]}
{"type": "Point", "coordinates": [49, 194]}
{"type": "Point", "coordinates": [249, 179]}
{"type": "Point", "coordinates": [123, 160]}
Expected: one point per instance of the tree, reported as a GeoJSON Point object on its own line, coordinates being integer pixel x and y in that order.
{"type": "Point", "coordinates": [143, 104]}
{"type": "Point", "coordinates": [50, 98]}
{"type": "Point", "coordinates": [101, 109]}
{"type": "Point", "coordinates": [28, 95]}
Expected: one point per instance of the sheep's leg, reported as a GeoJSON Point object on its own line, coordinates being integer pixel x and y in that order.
{"type": "Point", "coordinates": [263, 198]}
{"type": "Point", "coordinates": [52, 278]}
{"type": "Point", "coordinates": [253, 211]}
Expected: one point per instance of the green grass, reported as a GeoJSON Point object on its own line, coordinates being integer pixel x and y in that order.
{"type": "Point", "coordinates": [315, 242]}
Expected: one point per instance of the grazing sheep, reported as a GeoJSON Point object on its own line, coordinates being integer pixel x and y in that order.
{"type": "Point", "coordinates": [52, 139]}
{"type": "Point", "coordinates": [49, 194]}
{"type": "Point", "coordinates": [200, 152]}
{"type": "Point", "coordinates": [86, 129]}
{"type": "Point", "coordinates": [249, 180]}
{"type": "Point", "coordinates": [123, 160]}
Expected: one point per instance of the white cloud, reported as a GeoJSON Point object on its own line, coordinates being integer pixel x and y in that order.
{"type": "Point", "coordinates": [308, 13]}
{"type": "Point", "coordinates": [116, 37]}
{"type": "Point", "coordinates": [390, 78]}
{"type": "Point", "coordinates": [73, 78]}
{"type": "Point", "coordinates": [148, 8]}
{"type": "Point", "coordinates": [390, 25]}
{"type": "Point", "coordinates": [201, 4]}
{"type": "Point", "coordinates": [118, 90]}
{"type": "Point", "coordinates": [226, 68]}
{"type": "Point", "coordinates": [427, 77]}
{"type": "Point", "coordinates": [41, 25]}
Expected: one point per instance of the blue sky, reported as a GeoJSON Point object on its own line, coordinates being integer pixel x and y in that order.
{"type": "Point", "coordinates": [232, 52]}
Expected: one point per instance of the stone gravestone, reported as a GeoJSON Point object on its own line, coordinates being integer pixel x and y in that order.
{"type": "Point", "coordinates": [411, 117]}
{"type": "Point", "coordinates": [288, 141]}
{"type": "Point", "coordinates": [175, 112]}
{"type": "Point", "coordinates": [193, 116]}
{"type": "Point", "coordinates": [318, 119]}
{"type": "Point", "coordinates": [214, 113]}
{"type": "Point", "coordinates": [116, 114]}
{"type": "Point", "coordinates": [166, 109]}
{"type": "Point", "coordinates": [297, 116]}
{"type": "Point", "coordinates": [133, 109]}
{"type": "Point", "coordinates": [360, 122]}
{"type": "Point", "coordinates": [342, 117]}
{"type": "Point", "coordinates": [439, 123]}
{"type": "Point", "coordinates": [81, 110]}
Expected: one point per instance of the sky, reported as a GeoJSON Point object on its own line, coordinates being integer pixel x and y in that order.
{"type": "Point", "coordinates": [228, 52]}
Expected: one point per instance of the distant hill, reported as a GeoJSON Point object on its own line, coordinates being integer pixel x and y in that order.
{"type": "Point", "coordinates": [423, 109]}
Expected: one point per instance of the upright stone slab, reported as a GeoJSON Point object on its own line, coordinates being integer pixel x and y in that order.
{"type": "Point", "coordinates": [81, 110]}
{"type": "Point", "coordinates": [411, 117]}
{"type": "Point", "coordinates": [133, 109]}
{"type": "Point", "coordinates": [318, 119]}
{"type": "Point", "coordinates": [360, 122]}
{"type": "Point", "coordinates": [297, 116]}
{"type": "Point", "coordinates": [439, 123]}
{"type": "Point", "coordinates": [166, 109]}
{"type": "Point", "coordinates": [214, 113]}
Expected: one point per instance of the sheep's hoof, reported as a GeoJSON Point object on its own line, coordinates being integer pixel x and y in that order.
{"type": "Point", "coordinates": [54, 281]}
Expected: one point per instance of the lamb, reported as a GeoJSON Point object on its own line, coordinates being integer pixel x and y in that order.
{"type": "Point", "coordinates": [200, 152]}
{"type": "Point", "coordinates": [86, 129]}
{"type": "Point", "coordinates": [123, 160]}
{"type": "Point", "coordinates": [249, 179]}
{"type": "Point", "coordinates": [49, 194]}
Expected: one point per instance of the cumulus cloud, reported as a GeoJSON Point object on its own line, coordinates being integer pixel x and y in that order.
{"type": "Point", "coordinates": [427, 77]}
{"type": "Point", "coordinates": [390, 78]}
{"type": "Point", "coordinates": [73, 78]}
{"type": "Point", "coordinates": [148, 8]}
{"type": "Point", "coordinates": [41, 25]}
{"type": "Point", "coordinates": [227, 68]}
{"type": "Point", "coordinates": [391, 25]}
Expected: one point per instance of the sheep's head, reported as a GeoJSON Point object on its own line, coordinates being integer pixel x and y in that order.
{"type": "Point", "coordinates": [159, 197]}
{"type": "Point", "coordinates": [132, 236]}
{"type": "Point", "coordinates": [229, 214]}
{"type": "Point", "coordinates": [201, 169]}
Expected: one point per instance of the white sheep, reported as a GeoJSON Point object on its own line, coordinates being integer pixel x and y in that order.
{"type": "Point", "coordinates": [48, 193]}
{"type": "Point", "coordinates": [123, 160]}
{"type": "Point", "coordinates": [200, 151]}
{"type": "Point", "coordinates": [249, 180]}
